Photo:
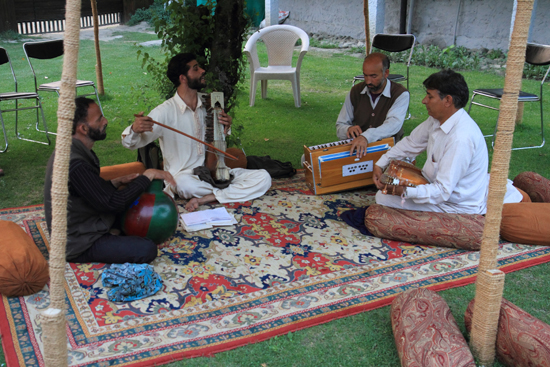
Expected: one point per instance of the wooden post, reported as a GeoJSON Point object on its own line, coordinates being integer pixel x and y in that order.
{"type": "Point", "coordinates": [519, 114]}
{"type": "Point", "coordinates": [367, 26]}
{"type": "Point", "coordinates": [98, 68]}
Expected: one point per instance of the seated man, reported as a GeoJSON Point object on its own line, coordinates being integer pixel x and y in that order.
{"type": "Point", "coordinates": [93, 202]}
{"type": "Point", "coordinates": [185, 112]}
{"type": "Point", "coordinates": [374, 109]}
{"type": "Point", "coordinates": [457, 158]}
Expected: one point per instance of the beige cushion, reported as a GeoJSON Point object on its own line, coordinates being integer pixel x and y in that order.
{"type": "Point", "coordinates": [119, 170]}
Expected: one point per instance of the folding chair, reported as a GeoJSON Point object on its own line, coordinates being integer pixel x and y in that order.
{"type": "Point", "coordinates": [16, 96]}
{"type": "Point", "coordinates": [393, 43]}
{"type": "Point", "coordinates": [535, 54]}
{"type": "Point", "coordinates": [51, 50]}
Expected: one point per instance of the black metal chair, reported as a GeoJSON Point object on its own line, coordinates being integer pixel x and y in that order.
{"type": "Point", "coordinates": [16, 96]}
{"type": "Point", "coordinates": [51, 50]}
{"type": "Point", "coordinates": [535, 54]}
{"type": "Point", "coordinates": [393, 43]}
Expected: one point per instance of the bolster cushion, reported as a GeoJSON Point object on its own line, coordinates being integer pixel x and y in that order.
{"type": "Point", "coordinates": [527, 223]}
{"type": "Point", "coordinates": [461, 231]}
{"type": "Point", "coordinates": [119, 170]}
{"type": "Point", "coordinates": [23, 269]}
{"type": "Point", "coordinates": [536, 186]}
{"type": "Point", "coordinates": [522, 340]}
{"type": "Point", "coordinates": [426, 333]}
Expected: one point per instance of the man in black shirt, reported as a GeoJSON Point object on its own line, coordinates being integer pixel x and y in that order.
{"type": "Point", "coordinates": [94, 202]}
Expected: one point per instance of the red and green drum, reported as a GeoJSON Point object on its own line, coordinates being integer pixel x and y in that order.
{"type": "Point", "coordinates": [153, 215]}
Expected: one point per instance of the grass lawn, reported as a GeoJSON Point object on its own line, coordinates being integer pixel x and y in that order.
{"type": "Point", "coordinates": [272, 127]}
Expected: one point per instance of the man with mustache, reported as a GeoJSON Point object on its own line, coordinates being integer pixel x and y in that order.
{"type": "Point", "coordinates": [374, 109]}
{"type": "Point", "coordinates": [457, 157]}
{"type": "Point", "coordinates": [94, 202]}
{"type": "Point", "coordinates": [185, 112]}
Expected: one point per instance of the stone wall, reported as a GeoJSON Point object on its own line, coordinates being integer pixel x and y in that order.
{"type": "Point", "coordinates": [469, 23]}
{"type": "Point", "coordinates": [342, 18]}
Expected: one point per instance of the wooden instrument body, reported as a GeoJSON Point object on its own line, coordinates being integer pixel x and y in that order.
{"type": "Point", "coordinates": [215, 134]}
{"type": "Point", "coordinates": [329, 169]}
{"type": "Point", "coordinates": [400, 173]}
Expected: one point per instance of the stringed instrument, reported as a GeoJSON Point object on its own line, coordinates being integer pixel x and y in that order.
{"type": "Point", "coordinates": [214, 134]}
{"type": "Point", "coordinates": [400, 173]}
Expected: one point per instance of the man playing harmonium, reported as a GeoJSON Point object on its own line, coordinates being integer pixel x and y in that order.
{"type": "Point", "coordinates": [457, 158]}
{"type": "Point", "coordinates": [185, 112]}
{"type": "Point", "coordinates": [374, 109]}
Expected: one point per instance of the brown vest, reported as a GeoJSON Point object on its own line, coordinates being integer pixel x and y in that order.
{"type": "Point", "coordinates": [363, 114]}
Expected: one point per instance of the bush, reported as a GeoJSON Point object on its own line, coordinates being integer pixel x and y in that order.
{"type": "Point", "coordinates": [215, 33]}
{"type": "Point", "coordinates": [149, 15]}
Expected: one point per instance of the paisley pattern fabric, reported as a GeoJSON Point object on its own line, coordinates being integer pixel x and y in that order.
{"type": "Point", "coordinates": [536, 186]}
{"type": "Point", "coordinates": [522, 340]}
{"type": "Point", "coordinates": [426, 333]}
{"type": "Point", "coordinates": [289, 263]}
{"type": "Point", "coordinates": [435, 229]}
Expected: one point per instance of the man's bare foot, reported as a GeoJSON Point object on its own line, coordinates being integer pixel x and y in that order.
{"type": "Point", "coordinates": [194, 203]}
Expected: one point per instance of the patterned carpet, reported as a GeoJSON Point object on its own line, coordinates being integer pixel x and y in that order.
{"type": "Point", "coordinates": [289, 263]}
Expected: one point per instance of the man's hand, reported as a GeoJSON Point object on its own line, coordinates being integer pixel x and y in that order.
{"type": "Point", "coordinates": [354, 131]}
{"type": "Point", "coordinates": [360, 144]}
{"type": "Point", "coordinates": [142, 123]}
{"type": "Point", "coordinates": [376, 173]}
{"type": "Point", "coordinates": [225, 120]}
{"type": "Point", "coordinates": [117, 182]}
{"type": "Point", "coordinates": [152, 173]}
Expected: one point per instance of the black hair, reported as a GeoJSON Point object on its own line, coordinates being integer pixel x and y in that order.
{"type": "Point", "coordinates": [384, 58]}
{"type": "Point", "coordinates": [81, 111]}
{"type": "Point", "coordinates": [178, 66]}
{"type": "Point", "coordinates": [449, 83]}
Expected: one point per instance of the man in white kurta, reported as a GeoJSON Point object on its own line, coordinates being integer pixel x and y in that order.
{"type": "Point", "coordinates": [457, 158]}
{"type": "Point", "coordinates": [181, 154]}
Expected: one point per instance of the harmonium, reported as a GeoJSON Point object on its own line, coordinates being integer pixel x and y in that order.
{"type": "Point", "coordinates": [330, 167]}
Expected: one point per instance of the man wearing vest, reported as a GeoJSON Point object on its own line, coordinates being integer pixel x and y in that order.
{"type": "Point", "coordinates": [374, 109]}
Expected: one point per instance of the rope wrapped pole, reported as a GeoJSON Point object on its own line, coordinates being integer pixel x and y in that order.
{"type": "Point", "coordinates": [53, 319]}
{"type": "Point", "coordinates": [499, 172]}
{"type": "Point", "coordinates": [98, 67]}
{"type": "Point", "coordinates": [367, 26]}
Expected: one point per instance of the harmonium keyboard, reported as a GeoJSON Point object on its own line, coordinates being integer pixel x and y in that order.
{"type": "Point", "coordinates": [330, 167]}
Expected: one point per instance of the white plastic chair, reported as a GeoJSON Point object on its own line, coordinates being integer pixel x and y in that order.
{"type": "Point", "coordinates": [280, 41]}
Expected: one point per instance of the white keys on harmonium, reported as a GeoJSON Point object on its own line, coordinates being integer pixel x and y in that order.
{"type": "Point", "coordinates": [333, 144]}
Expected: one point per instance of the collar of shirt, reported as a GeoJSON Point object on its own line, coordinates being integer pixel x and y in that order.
{"type": "Point", "coordinates": [386, 92]}
{"type": "Point", "coordinates": [452, 121]}
{"type": "Point", "coordinates": [183, 106]}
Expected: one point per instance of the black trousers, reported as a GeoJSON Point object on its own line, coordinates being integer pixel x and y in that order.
{"type": "Point", "coordinates": [113, 249]}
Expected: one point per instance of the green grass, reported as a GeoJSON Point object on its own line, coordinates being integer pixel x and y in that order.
{"type": "Point", "coordinates": [272, 127]}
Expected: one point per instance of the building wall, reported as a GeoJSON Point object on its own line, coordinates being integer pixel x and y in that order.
{"type": "Point", "coordinates": [469, 23]}
{"type": "Point", "coordinates": [336, 18]}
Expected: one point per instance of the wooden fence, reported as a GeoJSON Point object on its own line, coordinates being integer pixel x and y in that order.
{"type": "Point", "coordinates": [45, 16]}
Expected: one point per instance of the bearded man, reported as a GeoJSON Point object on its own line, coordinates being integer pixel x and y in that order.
{"type": "Point", "coordinates": [374, 109]}
{"type": "Point", "coordinates": [93, 202]}
{"type": "Point", "coordinates": [182, 155]}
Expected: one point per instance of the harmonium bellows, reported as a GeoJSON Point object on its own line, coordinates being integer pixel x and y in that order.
{"type": "Point", "coordinates": [330, 167]}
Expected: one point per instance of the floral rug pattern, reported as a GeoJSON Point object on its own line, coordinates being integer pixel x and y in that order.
{"type": "Point", "coordinates": [289, 263]}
